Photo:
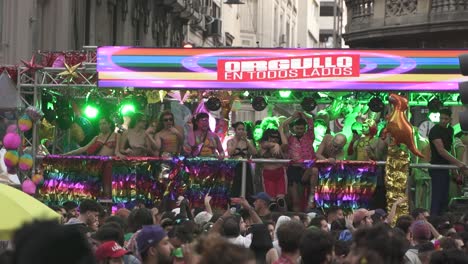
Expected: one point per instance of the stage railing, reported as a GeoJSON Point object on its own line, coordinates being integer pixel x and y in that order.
{"type": "Point", "coordinates": [362, 184]}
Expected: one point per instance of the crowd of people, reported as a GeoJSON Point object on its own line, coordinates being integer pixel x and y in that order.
{"type": "Point", "coordinates": [241, 234]}
{"type": "Point", "coordinates": [278, 224]}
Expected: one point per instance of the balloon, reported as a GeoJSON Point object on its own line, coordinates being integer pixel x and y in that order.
{"type": "Point", "coordinates": [398, 125]}
{"type": "Point", "coordinates": [28, 187]}
{"type": "Point", "coordinates": [11, 158]}
{"type": "Point", "coordinates": [37, 178]}
{"type": "Point", "coordinates": [11, 141]}
{"type": "Point", "coordinates": [12, 128]}
{"type": "Point", "coordinates": [25, 162]}
{"type": "Point", "coordinates": [25, 123]}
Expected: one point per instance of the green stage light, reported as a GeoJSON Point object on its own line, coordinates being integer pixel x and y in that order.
{"type": "Point", "coordinates": [91, 112]}
{"type": "Point", "coordinates": [127, 109]}
{"type": "Point", "coordinates": [434, 117]}
{"type": "Point", "coordinates": [245, 94]}
{"type": "Point", "coordinates": [285, 94]}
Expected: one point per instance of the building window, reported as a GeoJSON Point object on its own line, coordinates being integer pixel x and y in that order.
{"type": "Point", "coordinates": [326, 11]}
{"type": "Point", "coordinates": [216, 10]}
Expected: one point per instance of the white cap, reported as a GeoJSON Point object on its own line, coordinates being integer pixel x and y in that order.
{"type": "Point", "coordinates": [202, 218]}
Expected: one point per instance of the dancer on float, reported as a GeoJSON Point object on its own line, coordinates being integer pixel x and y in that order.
{"type": "Point", "coordinates": [201, 142]}
{"type": "Point", "coordinates": [300, 147]}
{"type": "Point", "coordinates": [240, 147]}
{"type": "Point", "coordinates": [362, 146]}
{"type": "Point", "coordinates": [104, 144]}
{"type": "Point", "coordinates": [332, 148]}
{"type": "Point", "coordinates": [134, 142]}
{"type": "Point", "coordinates": [441, 139]}
{"type": "Point", "coordinates": [272, 146]}
{"type": "Point", "coordinates": [169, 138]}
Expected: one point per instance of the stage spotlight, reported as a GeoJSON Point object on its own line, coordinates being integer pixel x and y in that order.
{"type": "Point", "coordinates": [127, 108]}
{"type": "Point", "coordinates": [285, 94]}
{"type": "Point", "coordinates": [308, 104]}
{"type": "Point", "coordinates": [376, 105]}
{"type": "Point", "coordinates": [91, 111]}
{"type": "Point", "coordinates": [435, 104]}
{"type": "Point", "coordinates": [259, 103]}
{"type": "Point", "coordinates": [213, 104]}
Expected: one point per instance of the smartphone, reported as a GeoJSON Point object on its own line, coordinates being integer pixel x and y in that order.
{"type": "Point", "coordinates": [178, 253]}
{"type": "Point", "coordinates": [233, 210]}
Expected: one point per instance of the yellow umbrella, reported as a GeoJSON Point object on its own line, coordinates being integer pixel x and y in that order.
{"type": "Point", "coordinates": [19, 208]}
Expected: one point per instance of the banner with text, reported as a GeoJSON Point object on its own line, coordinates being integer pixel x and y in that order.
{"type": "Point", "coordinates": [309, 69]}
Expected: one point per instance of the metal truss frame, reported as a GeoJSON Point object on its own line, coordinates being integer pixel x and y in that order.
{"type": "Point", "coordinates": [31, 84]}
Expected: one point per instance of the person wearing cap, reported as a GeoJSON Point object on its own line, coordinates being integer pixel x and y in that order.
{"type": "Point", "coordinates": [420, 234]}
{"type": "Point", "coordinates": [110, 252]}
{"type": "Point", "coordinates": [379, 216]}
{"type": "Point", "coordinates": [362, 218]}
{"type": "Point", "coordinates": [274, 176]}
{"type": "Point", "coordinates": [153, 245]}
{"type": "Point", "coordinates": [300, 147]}
{"type": "Point", "coordinates": [262, 205]}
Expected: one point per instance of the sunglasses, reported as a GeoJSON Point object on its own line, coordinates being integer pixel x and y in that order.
{"type": "Point", "coordinates": [168, 119]}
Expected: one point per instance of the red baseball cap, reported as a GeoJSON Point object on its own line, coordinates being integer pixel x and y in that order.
{"type": "Point", "coordinates": [110, 249]}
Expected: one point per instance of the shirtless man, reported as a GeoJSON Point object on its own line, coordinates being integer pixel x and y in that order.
{"type": "Point", "coordinates": [331, 148]}
{"type": "Point", "coordinates": [169, 138]}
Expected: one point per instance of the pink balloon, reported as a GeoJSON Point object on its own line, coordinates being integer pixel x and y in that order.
{"type": "Point", "coordinates": [59, 62]}
{"type": "Point", "coordinates": [12, 128]}
{"type": "Point", "coordinates": [11, 141]}
{"type": "Point", "coordinates": [29, 187]}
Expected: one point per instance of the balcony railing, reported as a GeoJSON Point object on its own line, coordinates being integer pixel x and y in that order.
{"type": "Point", "coordinates": [376, 19]}
{"type": "Point", "coordinates": [441, 6]}
{"type": "Point", "coordinates": [361, 9]}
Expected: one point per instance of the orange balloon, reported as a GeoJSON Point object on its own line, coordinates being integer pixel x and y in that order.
{"type": "Point", "coordinates": [398, 125]}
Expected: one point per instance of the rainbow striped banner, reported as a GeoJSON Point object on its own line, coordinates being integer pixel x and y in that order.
{"type": "Point", "coordinates": [382, 70]}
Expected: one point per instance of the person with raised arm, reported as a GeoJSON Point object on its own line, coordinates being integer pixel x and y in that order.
{"type": "Point", "coordinates": [104, 144]}
{"type": "Point", "coordinates": [300, 147]}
